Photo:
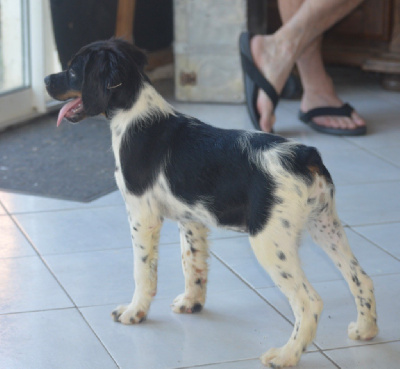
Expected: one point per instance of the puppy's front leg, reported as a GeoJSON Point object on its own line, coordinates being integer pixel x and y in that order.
{"type": "Point", "coordinates": [145, 237]}
{"type": "Point", "coordinates": [194, 249]}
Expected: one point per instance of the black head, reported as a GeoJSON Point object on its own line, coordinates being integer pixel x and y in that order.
{"type": "Point", "coordinates": [102, 77]}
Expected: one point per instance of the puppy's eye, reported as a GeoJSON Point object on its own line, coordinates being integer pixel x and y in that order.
{"type": "Point", "coordinates": [72, 73]}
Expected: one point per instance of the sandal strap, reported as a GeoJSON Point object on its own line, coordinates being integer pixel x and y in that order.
{"type": "Point", "coordinates": [251, 70]}
{"type": "Point", "coordinates": [343, 111]}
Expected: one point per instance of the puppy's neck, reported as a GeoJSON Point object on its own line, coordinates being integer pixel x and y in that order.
{"type": "Point", "coordinates": [148, 106]}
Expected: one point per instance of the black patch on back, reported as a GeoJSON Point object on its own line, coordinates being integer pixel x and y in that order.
{"type": "Point", "coordinates": [204, 162]}
{"type": "Point", "coordinates": [207, 163]}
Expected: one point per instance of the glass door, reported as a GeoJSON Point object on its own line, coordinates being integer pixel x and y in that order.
{"type": "Point", "coordinates": [13, 46]}
{"type": "Point", "coordinates": [14, 60]}
{"type": "Point", "coordinates": [27, 54]}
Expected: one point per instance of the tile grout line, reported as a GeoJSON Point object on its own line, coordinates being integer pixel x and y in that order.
{"type": "Point", "coordinates": [271, 305]}
{"type": "Point", "coordinates": [374, 224]}
{"type": "Point", "coordinates": [215, 363]}
{"type": "Point", "coordinates": [376, 245]}
{"type": "Point", "coordinates": [382, 158]}
{"type": "Point", "coordinates": [361, 345]}
{"type": "Point", "coordinates": [250, 287]}
{"type": "Point", "coordinates": [368, 151]}
{"type": "Point", "coordinates": [366, 182]}
{"type": "Point", "coordinates": [103, 249]}
{"type": "Point", "coordinates": [98, 338]}
{"type": "Point", "coordinates": [41, 258]}
{"type": "Point", "coordinates": [61, 210]}
{"type": "Point", "coordinates": [329, 359]}
{"type": "Point", "coordinates": [37, 311]}
{"type": "Point", "coordinates": [61, 286]}
{"type": "Point", "coordinates": [2, 207]}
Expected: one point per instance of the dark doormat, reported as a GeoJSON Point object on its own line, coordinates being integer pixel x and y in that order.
{"type": "Point", "coordinates": [72, 162]}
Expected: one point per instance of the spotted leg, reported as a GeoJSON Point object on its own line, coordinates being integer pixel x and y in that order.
{"type": "Point", "coordinates": [145, 233]}
{"type": "Point", "coordinates": [194, 248]}
{"type": "Point", "coordinates": [276, 250]}
{"type": "Point", "coordinates": [327, 231]}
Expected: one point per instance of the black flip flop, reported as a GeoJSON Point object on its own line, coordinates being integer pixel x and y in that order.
{"type": "Point", "coordinates": [253, 80]}
{"type": "Point", "coordinates": [343, 111]}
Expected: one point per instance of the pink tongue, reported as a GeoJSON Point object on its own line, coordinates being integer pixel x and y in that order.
{"type": "Point", "coordinates": [66, 108]}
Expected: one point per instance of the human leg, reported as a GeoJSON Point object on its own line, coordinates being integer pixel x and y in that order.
{"type": "Point", "coordinates": [319, 90]}
{"type": "Point", "coordinates": [275, 55]}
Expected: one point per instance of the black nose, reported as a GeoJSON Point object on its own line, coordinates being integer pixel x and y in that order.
{"type": "Point", "coordinates": [47, 81]}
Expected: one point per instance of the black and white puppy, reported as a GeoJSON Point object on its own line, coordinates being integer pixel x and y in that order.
{"type": "Point", "coordinates": [175, 166]}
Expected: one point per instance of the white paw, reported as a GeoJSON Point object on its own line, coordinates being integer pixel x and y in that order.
{"type": "Point", "coordinates": [127, 315]}
{"type": "Point", "coordinates": [183, 304]}
{"type": "Point", "coordinates": [280, 357]}
{"type": "Point", "coordinates": [366, 330]}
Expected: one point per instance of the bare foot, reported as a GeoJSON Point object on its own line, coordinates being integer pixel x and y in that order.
{"type": "Point", "coordinates": [274, 60]}
{"type": "Point", "coordinates": [325, 95]}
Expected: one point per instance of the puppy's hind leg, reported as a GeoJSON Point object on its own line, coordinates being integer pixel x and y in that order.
{"type": "Point", "coordinates": [327, 231]}
{"type": "Point", "coordinates": [276, 250]}
{"type": "Point", "coordinates": [194, 248]}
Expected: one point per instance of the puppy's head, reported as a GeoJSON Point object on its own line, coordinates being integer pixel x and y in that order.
{"type": "Point", "coordinates": [102, 77]}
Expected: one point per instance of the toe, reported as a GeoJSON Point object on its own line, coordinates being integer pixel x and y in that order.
{"type": "Point", "coordinates": [340, 122]}
{"type": "Point", "coordinates": [345, 123]}
{"type": "Point", "coordinates": [358, 121]}
{"type": "Point", "coordinates": [115, 315]}
{"type": "Point", "coordinates": [326, 122]}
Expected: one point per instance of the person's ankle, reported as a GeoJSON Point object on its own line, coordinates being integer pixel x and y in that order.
{"type": "Point", "coordinates": [274, 59]}
{"type": "Point", "coordinates": [319, 87]}
{"type": "Point", "coordinates": [318, 98]}
{"type": "Point", "coordinates": [288, 45]}
{"type": "Point", "coordinates": [270, 46]}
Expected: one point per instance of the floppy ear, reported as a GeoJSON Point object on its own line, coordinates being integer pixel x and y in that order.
{"type": "Point", "coordinates": [100, 74]}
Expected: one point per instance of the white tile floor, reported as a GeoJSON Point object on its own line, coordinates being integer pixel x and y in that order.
{"type": "Point", "coordinates": [64, 266]}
